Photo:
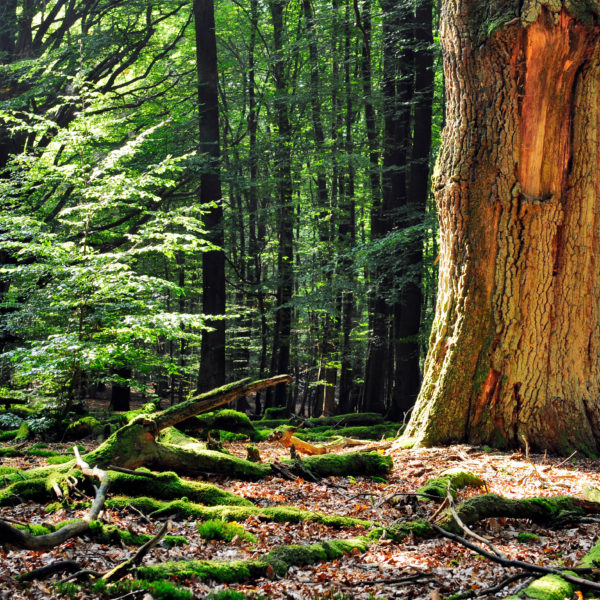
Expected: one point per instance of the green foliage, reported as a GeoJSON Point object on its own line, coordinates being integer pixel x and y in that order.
{"type": "Point", "coordinates": [222, 530]}
{"type": "Point", "coordinates": [10, 421]}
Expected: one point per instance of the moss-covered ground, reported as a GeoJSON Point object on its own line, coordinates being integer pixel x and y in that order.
{"type": "Point", "coordinates": [367, 516]}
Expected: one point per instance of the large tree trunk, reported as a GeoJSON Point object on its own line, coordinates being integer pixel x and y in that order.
{"type": "Point", "coordinates": [514, 345]}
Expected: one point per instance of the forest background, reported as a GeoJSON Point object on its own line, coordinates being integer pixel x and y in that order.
{"type": "Point", "coordinates": [137, 251]}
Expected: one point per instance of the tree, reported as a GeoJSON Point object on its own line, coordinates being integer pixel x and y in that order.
{"type": "Point", "coordinates": [514, 345]}
{"type": "Point", "coordinates": [212, 360]}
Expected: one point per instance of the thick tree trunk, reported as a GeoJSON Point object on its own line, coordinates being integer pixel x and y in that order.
{"type": "Point", "coordinates": [514, 345]}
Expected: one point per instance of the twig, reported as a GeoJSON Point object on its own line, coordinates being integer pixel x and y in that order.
{"type": "Point", "coordinates": [509, 562]}
{"type": "Point", "coordinates": [397, 581]}
{"type": "Point", "coordinates": [441, 507]}
{"type": "Point", "coordinates": [467, 531]}
{"type": "Point", "coordinates": [139, 512]}
{"type": "Point", "coordinates": [566, 460]}
{"type": "Point", "coordinates": [492, 590]}
{"type": "Point", "coordinates": [121, 570]}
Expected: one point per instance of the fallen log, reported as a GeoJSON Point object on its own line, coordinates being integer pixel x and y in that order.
{"type": "Point", "coordinates": [135, 444]}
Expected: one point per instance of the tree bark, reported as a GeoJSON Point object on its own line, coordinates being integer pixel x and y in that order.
{"type": "Point", "coordinates": [285, 210]}
{"type": "Point", "coordinates": [514, 345]}
{"type": "Point", "coordinates": [212, 352]}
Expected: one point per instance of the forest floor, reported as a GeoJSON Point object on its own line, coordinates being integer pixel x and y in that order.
{"type": "Point", "coordinates": [367, 575]}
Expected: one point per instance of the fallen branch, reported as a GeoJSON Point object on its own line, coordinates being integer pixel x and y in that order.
{"type": "Point", "coordinates": [509, 562]}
{"type": "Point", "coordinates": [49, 570]}
{"type": "Point", "coordinates": [121, 570]}
{"type": "Point", "coordinates": [16, 537]}
{"type": "Point", "coordinates": [467, 531]}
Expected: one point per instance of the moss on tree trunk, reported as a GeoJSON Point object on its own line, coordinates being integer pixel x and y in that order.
{"type": "Point", "coordinates": [514, 345]}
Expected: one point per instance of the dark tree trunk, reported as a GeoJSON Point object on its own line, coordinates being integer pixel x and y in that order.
{"type": "Point", "coordinates": [285, 210]}
{"type": "Point", "coordinates": [407, 313]}
{"type": "Point", "coordinates": [212, 352]}
{"type": "Point", "coordinates": [121, 394]}
{"type": "Point", "coordinates": [373, 389]}
{"type": "Point", "coordinates": [514, 346]}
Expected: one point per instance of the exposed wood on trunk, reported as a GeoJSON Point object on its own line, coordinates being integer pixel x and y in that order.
{"type": "Point", "coordinates": [513, 345]}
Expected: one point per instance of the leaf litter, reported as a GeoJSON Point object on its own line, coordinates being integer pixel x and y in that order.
{"type": "Point", "coordinates": [376, 573]}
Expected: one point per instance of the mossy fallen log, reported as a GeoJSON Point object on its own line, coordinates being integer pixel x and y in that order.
{"type": "Point", "coordinates": [158, 509]}
{"type": "Point", "coordinates": [277, 561]}
{"type": "Point", "coordinates": [136, 444]}
{"type": "Point", "coordinates": [39, 484]}
{"type": "Point", "coordinates": [105, 533]}
{"type": "Point", "coordinates": [554, 510]}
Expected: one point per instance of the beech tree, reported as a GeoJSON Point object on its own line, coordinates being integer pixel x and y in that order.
{"type": "Point", "coordinates": [514, 345]}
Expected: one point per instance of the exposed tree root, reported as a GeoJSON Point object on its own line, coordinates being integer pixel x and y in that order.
{"type": "Point", "coordinates": [557, 510]}
{"type": "Point", "coordinates": [281, 514]}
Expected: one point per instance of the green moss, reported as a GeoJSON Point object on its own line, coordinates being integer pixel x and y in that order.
{"type": "Point", "coordinates": [279, 514]}
{"type": "Point", "coordinates": [43, 453]}
{"type": "Point", "coordinates": [159, 590]}
{"type": "Point", "coordinates": [252, 453]}
{"type": "Point", "coordinates": [168, 486]}
{"type": "Point", "coordinates": [225, 420]}
{"type": "Point", "coordinates": [592, 558]}
{"type": "Point", "coordinates": [525, 537]}
{"type": "Point", "coordinates": [280, 560]}
{"type": "Point", "coordinates": [84, 427]}
{"type": "Point", "coordinates": [20, 491]}
{"type": "Point", "coordinates": [147, 409]}
{"type": "Point", "coordinates": [350, 463]}
{"type": "Point", "coordinates": [23, 432]}
{"type": "Point", "coordinates": [110, 534]}
{"type": "Point", "coordinates": [349, 419]}
{"type": "Point", "coordinates": [276, 412]}
{"type": "Point", "coordinates": [372, 432]}
{"type": "Point", "coordinates": [172, 435]}
{"type": "Point", "coordinates": [59, 459]}
{"type": "Point", "coordinates": [456, 479]}
{"type": "Point", "coordinates": [549, 587]}
{"type": "Point", "coordinates": [214, 529]}
{"type": "Point", "coordinates": [10, 452]}
{"type": "Point", "coordinates": [34, 529]}
{"type": "Point", "coordinates": [8, 435]}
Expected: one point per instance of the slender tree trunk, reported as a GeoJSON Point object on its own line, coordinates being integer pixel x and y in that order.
{"type": "Point", "coordinates": [212, 353]}
{"type": "Point", "coordinates": [121, 394]}
{"type": "Point", "coordinates": [514, 346]}
{"type": "Point", "coordinates": [285, 210]}
{"type": "Point", "coordinates": [373, 390]}
{"type": "Point", "coordinates": [347, 236]}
